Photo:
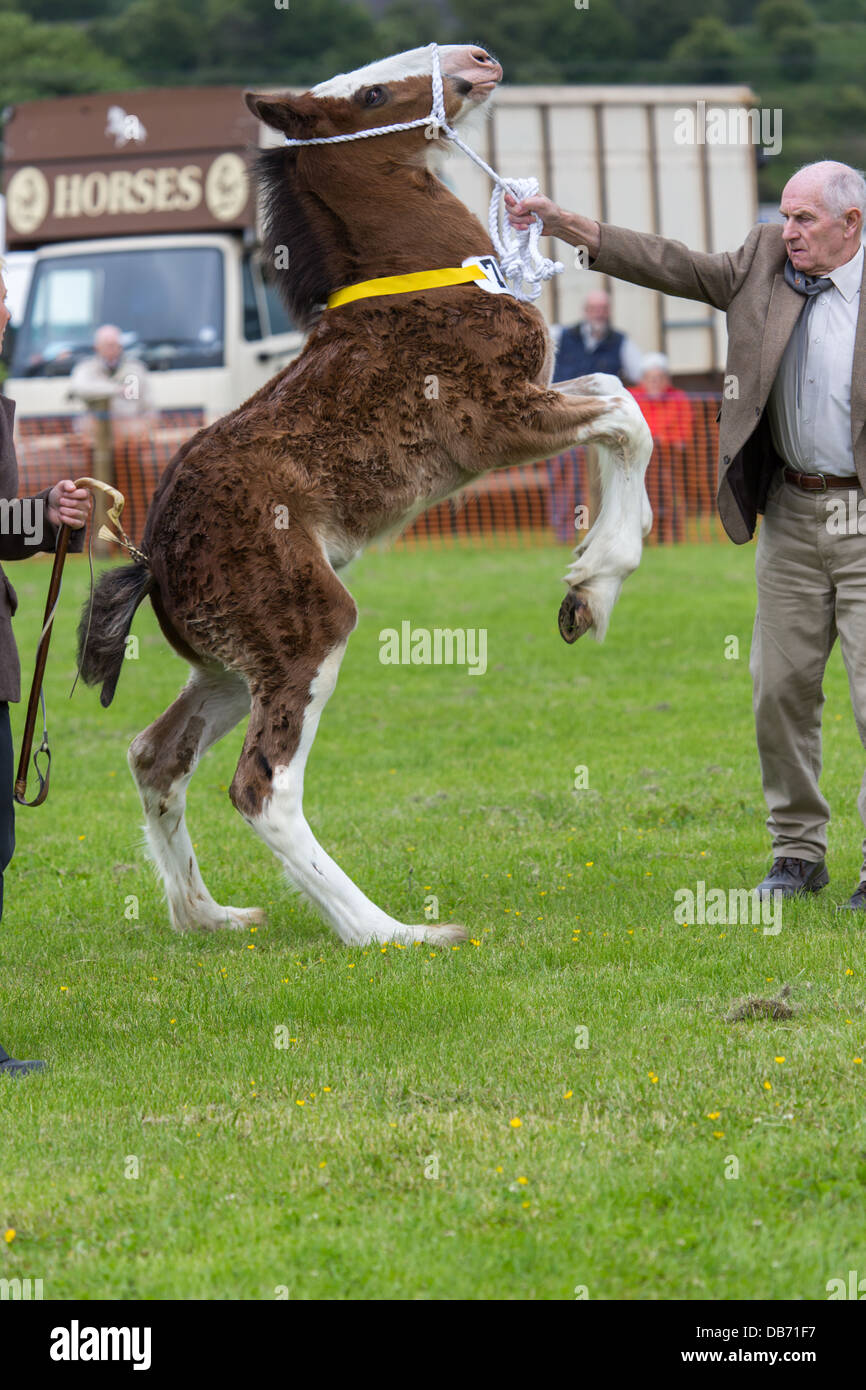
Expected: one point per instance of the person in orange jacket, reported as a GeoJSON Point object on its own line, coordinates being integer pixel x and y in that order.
{"type": "Point", "coordinates": [667, 411]}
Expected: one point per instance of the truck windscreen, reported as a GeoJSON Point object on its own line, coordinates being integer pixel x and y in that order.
{"type": "Point", "coordinates": [167, 303]}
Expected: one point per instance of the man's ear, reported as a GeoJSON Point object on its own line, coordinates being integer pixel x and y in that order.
{"type": "Point", "coordinates": [295, 116]}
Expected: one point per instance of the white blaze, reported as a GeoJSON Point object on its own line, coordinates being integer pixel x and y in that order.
{"type": "Point", "coordinates": [413, 63]}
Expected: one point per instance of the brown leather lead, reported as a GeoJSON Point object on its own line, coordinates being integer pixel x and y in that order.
{"type": "Point", "coordinates": [121, 538]}
{"type": "Point", "coordinates": [36, 686]}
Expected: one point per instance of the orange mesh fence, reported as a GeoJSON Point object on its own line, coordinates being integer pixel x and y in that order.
{"type": "Point", "coordinates": [529, 505]}
{"type": "Point", "coordinates": [44, 460]}
{"type": "Point", "coordinates": [42, 426]}
{"type": "Point", "coordinates": [53, 447]}
{"type": "Point", "coordinates": [536, 503]}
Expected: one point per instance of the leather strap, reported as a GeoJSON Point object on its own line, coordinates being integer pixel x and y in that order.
{"type": "Point", "coordinates": [20, 788]}
{"type": "Point", "coordinates": [819, 482]}
{"type": "Point", "coordinates": [36, 694]}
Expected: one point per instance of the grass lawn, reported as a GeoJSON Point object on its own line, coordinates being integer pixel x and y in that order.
{"type": "Point", "coordinates": [431, 1127]}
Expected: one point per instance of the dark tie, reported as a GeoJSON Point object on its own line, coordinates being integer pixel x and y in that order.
{"type": "Point", "coordinates": [809, 286]}
{"type": "Point", "coordinates": [806, 284]}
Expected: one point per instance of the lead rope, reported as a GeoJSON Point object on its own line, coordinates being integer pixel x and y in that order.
{"type": "Point", "coordinates": [522, 263]}
{"type": "Point", "coordinates": [524, 267]}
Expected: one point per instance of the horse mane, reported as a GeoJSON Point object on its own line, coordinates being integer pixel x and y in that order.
{"type": "Point", "coordinates": [297, 221]}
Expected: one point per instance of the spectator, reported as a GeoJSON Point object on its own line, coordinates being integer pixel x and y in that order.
{"type": "Point", "coordinates": [594, 346]}
{"type": "Point", "coordinates": [590, 346]}
{"type": "Point", "coordinates": [667, 411]}
{"type": "Point", "coordinates": [123, 379]}
{"type": "Point", "coordinates": [53, 507]}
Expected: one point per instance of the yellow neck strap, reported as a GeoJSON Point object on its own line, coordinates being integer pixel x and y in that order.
{"type": "Point", "coordinates": [405, 284]}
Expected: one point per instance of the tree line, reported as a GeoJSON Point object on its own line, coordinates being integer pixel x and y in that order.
{"type": "Point", "coordinates": [805, 57]}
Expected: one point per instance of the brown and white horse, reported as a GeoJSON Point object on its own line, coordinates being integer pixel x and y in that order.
{"type": "Point", "coordinates": [256, 515]}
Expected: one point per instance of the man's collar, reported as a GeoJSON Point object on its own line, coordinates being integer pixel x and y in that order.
{"type": "Point", "coordinates": [848, 277]}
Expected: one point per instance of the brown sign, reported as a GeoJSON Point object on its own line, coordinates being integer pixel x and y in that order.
{"type": "Point", "coordinates": [121, 163]}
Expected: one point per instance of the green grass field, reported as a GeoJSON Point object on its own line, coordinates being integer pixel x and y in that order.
{"type": "Point", "coordinates": [430, 1130]}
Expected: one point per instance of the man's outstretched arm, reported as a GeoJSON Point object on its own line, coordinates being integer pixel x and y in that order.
{"type": "Point", "coordinates": [642, 258]}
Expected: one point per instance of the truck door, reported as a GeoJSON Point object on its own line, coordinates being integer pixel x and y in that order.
{"type": "Point", "coordinates": [271, 340]}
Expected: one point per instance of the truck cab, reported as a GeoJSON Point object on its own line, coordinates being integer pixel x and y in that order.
{"type": "Point", "coordinates": [138, 210]}
{"type": "Point", "coordinates": [195, 309]}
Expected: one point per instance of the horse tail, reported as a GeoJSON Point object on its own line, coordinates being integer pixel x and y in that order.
{"type": "Point", "coordinates": [105, 623]}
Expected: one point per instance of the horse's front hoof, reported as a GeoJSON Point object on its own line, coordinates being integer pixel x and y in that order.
{"type": "Point", "coordinates": [574, 616]}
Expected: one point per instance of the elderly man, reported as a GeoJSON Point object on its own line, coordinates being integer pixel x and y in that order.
{"type": "Point", "coordinates": [61, 504]}
{"type": "Point", "coordinates": [123, 380]}
{"type": "Point", "coordinates": [594, 346]}
{"type": "Point", "coordinates": [792, 444]}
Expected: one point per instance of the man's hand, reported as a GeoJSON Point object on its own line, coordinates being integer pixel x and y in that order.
{"type": "Point", "coordinates": [568, 226]}
{"type": "Point", "coordinates": [69, 505]}
{"type": "Point", "coordinates": [520, 214]}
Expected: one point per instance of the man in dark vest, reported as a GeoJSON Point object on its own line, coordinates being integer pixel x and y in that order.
{"type": "Point", "coordinates": [26, 528]}
{"type": "Point", "coordinates": [594, 346]}
{"type": "Point", "coordinates": [589, 346]}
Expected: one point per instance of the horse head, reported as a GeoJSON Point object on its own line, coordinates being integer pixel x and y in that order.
{"type": "Point", "coordinates": [317, 198]}
{"type": "Point", "coordinates": [386, 93]}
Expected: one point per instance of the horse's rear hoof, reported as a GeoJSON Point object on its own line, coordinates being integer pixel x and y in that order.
{"type": "Point", "coordinates": [574, 616]}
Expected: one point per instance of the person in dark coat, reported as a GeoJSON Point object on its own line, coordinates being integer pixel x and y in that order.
{"type": "Point", "coordinates": [26, 525]}
{"type": "Point", "coordinates": [592, 345]}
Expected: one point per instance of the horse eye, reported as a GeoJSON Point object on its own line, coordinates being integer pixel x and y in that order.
{"type": "Point", "coordinates": [374, 96]}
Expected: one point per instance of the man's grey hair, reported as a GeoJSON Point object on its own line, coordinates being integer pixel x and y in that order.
{"type": "Point", "coordinates": [844, 188]}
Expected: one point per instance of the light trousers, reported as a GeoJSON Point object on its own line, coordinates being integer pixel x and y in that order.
{"type": "Point", "coordinates": [811, 573]}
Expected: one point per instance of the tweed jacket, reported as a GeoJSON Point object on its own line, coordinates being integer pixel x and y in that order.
{"type": "Point", "coordinates": [14, 547]}
{"type": "Point", "coordinates": [762, 309]}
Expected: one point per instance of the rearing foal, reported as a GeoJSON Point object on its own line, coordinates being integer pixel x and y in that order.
{"type": "Point", "coordinates": [255, 515]}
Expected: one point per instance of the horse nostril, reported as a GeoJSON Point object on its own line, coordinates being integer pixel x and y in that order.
{"type": "Point", "coordinates": [480, 56]}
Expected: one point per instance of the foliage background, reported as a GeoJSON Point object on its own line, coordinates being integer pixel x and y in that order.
{"type": "Point", "coordinates": [806, 57]}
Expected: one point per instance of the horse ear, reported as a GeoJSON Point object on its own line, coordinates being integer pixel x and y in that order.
{"type": "Point", "coordinates": [293, 115]}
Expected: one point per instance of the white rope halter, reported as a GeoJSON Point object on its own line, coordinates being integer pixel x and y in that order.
{"type": "Point", "coordinates": [522, 263]}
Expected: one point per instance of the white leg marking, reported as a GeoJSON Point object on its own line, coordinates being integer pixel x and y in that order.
{"type": "Point", "coordinates": [218, 700]}
{"type": "Point", "coordinates": [283, 827]}
{"type": "Point", "coordinates": [612, 548]}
